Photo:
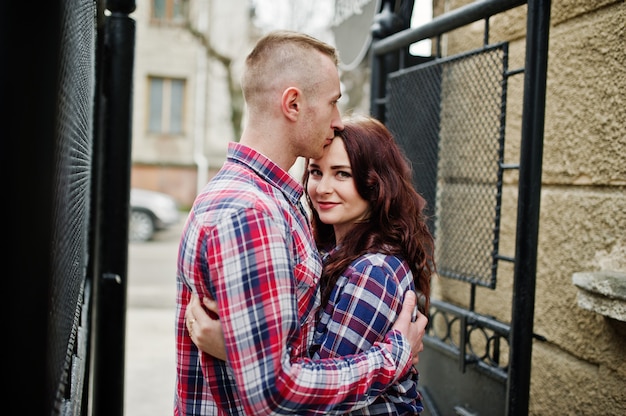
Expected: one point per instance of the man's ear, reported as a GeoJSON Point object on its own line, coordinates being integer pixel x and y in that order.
{"type": "Point", "coordinates": [291, 103]}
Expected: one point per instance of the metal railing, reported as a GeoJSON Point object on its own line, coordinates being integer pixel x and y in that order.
{"type": "Point", "coordinates": [449, 115]}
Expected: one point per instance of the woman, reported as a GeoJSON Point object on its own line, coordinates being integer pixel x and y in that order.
{"type": "Point", "coordinates": [369, 225]}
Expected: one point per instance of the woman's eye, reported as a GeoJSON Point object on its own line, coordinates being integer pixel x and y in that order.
{"type": "Point", "coordinates": [343, 174]}
{"type": "Point", "coordinates": [315, 172]}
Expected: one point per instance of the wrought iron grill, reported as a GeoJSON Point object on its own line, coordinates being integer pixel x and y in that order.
{"type": "Point", "coordinates": [457, 148]}
{"type": "Point", "coordinates": [449, 114]}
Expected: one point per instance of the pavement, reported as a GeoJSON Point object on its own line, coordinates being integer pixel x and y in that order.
{"type": "Point", "coordinates": [150, 342]}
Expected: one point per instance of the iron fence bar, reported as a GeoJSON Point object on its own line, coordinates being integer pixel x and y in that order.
{"type": "Point", "coordinates": [486, 32]}
{"type": "Point", "coordinates": [454, 352]}
{"type": "Point", "coordinates": [434, 29]}
{"type": "Point", "coordinates": [468, 318]}
{"type": "Point", "coordinates": [110, 304]}
{"type": "Point", "coordinates": [505, 258]}
{"type": "Point", "coordinates": [474, 317]}
{"type": "Point", "coordinates": [500, 181]}
{"type": "Point", "coordinates": [512, 72]}
{"type": "Point", "coordinates": [444, 23]}
{"type": "Point", "coordinates": [510, 166]}
{"type": "Point", "coordinates": [529, 196]}
{"type": "Point", "coordinates": [463, 343]}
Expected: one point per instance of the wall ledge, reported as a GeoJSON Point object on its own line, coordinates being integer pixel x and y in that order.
{"type": "Point", "coordinates": [603, 292]}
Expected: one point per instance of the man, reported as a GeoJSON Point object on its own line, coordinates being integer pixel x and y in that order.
{"type": "Point", "coordinates": [247, 244]}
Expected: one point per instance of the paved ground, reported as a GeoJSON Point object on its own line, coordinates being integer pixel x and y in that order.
{"type": "Point", "coordinates": [150, 360]}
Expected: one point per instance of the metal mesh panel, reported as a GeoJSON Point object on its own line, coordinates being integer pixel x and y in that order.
{"type": "Point", "coordinates": [448, 116]}
{"type": "Point", "coordinates": [72, 182]}
{"type": "Point", "coordinates": [413, 117]}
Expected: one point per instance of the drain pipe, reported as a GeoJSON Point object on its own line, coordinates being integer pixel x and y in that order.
{"type": "Point", "coordinates": [199, 158]}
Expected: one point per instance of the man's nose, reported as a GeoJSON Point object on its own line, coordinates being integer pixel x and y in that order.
{"type": "Point", "coordinates": [337, 122]}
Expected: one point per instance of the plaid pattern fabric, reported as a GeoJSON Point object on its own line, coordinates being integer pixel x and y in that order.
{"type": "Point", "coordinates": [247, 244]}
{"type": "Point", "coordinates": [363, 306]}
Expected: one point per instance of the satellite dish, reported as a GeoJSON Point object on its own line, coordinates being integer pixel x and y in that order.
{"type": "Point", "coordinates": [352, 29]}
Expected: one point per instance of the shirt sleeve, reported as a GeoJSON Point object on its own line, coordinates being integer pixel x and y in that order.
{"type": "Point", "coordinates": [365, 303]}
{"type": "Point", "coordinates": [253, 282]}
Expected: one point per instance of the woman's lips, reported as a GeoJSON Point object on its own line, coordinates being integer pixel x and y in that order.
{"type": "Point", "coordinates": [326, 205]}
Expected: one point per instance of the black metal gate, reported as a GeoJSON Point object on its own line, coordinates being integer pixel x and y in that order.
{"type": "Point", "coordinates": [66, 92]}
{"type": "Point", "coordinates": [449, 115]}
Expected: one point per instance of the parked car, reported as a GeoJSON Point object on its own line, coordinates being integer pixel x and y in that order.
{"type": "Point", "coordinates": [150, 212]}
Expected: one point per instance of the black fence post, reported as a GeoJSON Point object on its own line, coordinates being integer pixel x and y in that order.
{"type": "Point", "coordinates": [533, 116]}
{"type": "Point", "coordinates": [115, 125]}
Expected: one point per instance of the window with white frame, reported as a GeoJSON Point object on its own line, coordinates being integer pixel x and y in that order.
{"type": "Point", "coordinates": [166, 105]}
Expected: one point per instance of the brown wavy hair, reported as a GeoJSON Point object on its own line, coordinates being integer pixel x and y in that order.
{"type": "Point", "coordinates": [397, 223]}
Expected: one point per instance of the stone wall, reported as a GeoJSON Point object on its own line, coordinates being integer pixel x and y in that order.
{"type": "Point", "coordinates": [581, 367]}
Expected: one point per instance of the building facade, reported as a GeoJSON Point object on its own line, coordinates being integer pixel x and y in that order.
{"type": "Point", "coordinates": [187, 66]}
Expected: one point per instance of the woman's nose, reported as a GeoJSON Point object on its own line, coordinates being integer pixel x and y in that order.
{"type": "Point", "coordinates": [323, 186]}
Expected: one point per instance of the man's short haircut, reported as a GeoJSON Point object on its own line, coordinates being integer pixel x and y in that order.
{"type": "Point", "coordinates": [283, 56]}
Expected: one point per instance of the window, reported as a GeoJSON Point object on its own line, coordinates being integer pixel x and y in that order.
{"type": "Point", "coordinates": [166, 100]}
{"type": "Point", "coordinates": [168, 10]}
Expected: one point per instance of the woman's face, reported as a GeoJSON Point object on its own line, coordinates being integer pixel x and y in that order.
{"type": "Point", "coordinates": [333, 192]}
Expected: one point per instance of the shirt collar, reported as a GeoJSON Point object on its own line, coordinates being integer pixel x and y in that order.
{"type": "Point", "coordinates": [267, 170]}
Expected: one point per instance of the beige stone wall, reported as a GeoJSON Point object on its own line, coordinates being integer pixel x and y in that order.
{"type": "Point", "coordinates": [581, 368]}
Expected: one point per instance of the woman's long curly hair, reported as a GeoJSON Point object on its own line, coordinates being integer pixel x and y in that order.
{"type": "Point", "coordinates": [397, 223]}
